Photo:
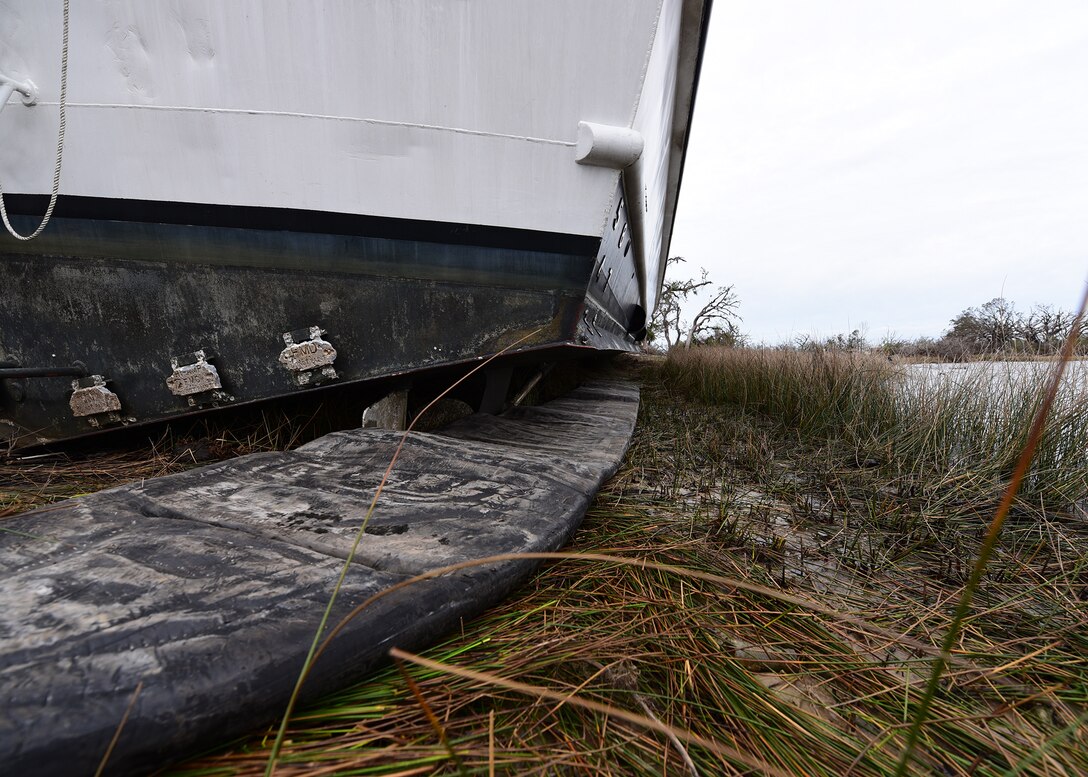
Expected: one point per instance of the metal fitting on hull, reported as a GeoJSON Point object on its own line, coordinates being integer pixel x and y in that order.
{"type": "Point", "coordinates": [603, 145]}
{"type": "Point", "coordinates": [309, 359]}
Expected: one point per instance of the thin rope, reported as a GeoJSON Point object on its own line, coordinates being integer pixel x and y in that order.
{"type": "Point", "coordinates": [60, 146]}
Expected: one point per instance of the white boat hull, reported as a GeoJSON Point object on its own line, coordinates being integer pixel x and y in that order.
{"type": "Point", "coordinates": [212, 142]}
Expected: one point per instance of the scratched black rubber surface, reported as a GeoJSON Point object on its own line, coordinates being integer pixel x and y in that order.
{"type": "Point", "coordinates": [207, 585]}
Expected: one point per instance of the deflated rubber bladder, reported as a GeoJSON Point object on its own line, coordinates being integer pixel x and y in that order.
{"type": "Point", "coordinates": [207, 586]}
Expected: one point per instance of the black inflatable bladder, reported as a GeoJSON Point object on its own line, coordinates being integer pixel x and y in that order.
{"type": "Point", "coordinates": [206, 587]}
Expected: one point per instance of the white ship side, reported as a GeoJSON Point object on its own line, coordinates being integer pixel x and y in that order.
{"type": "Point", "coordinates": [407, 120]}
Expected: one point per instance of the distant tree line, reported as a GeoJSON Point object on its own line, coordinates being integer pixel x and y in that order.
{"type": "Point", "coordinates": [996, 328]}
{"type": "Point", "coordinates": [855, 341]}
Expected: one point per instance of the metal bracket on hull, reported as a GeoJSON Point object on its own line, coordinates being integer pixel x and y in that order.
{"type": "Point", "coordinates": [310, 359]}
{"type": "Point", "coordinates": [92, 400]}
{"type": "Point", "coordinates": [196, 380]}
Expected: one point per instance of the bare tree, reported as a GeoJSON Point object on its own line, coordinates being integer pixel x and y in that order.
{"type": "Point", "coordinates": [716, 317]}
{"type": "Point", "coordinates": [722, 307]}
{"type": "Point", "coordinates": [1046, 327]}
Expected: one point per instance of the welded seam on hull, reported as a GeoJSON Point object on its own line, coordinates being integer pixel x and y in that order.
{"type": "Point", "coordinates": [325, 117]}
{"type": "Point", "coordinates": [646, 63]}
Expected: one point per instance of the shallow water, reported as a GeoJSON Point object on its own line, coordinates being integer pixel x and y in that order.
{"type": "Point", "coordinates": [1006, 372]}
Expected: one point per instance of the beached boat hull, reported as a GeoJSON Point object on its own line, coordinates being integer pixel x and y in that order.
{"type": "Point", "coordinates": [135, 302]}
{"type": "Point", "coordinates": [259, 199]}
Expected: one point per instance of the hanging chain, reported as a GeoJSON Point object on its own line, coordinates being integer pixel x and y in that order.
{"type": "Point", "coordinates": [60, 146]}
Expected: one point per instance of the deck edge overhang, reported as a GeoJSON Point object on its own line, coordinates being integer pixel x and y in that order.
{"type": "Point", "coordinates": [695, 25]}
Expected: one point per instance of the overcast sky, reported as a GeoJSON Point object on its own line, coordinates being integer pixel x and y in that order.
{"type": "Point", "coordinates": [884, 164]}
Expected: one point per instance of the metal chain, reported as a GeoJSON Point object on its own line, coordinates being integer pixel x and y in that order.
{"type": "Point", "coordinates": [60, 146]}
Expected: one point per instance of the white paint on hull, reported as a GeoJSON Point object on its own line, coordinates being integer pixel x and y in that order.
{"type": "Point", "coordinates": [463, 112]}
{"type": "Point", "coordinates": [648, 183]}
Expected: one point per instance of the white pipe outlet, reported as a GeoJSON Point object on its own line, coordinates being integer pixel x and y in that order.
{"type": "Point", "coordinates": [605, 145]}
{"type": "Point", "coordinates": [9, 85]}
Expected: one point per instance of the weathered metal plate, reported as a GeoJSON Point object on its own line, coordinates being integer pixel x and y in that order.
{"type": "Point", "coordinates": [390, 307]}
{"type": "Point", "coordinates": [194, 376]}
{"type": "Point", "coordinates": [94, 399]}
{"type": "Point", "coordinates": [207, 586]}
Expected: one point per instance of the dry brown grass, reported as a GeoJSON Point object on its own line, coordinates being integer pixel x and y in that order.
{"type": "Point", "coordinates": [570, 675]}
{"type": "Point", "coordinates": [663, 666]}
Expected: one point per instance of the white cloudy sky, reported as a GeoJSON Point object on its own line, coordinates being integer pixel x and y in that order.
{"type": "Point", "coordinates": [886, 163]}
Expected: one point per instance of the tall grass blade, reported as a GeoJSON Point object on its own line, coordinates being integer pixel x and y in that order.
{"type": "Point", "coordinates": [992, 534]}
{"type": "Point", "coordinates": [631, 717]}
{"type": "Point", "coordinates": [305, 671]}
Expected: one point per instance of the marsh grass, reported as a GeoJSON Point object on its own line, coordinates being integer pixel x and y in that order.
{"type": "Point", "coordinates": [955, 438]}
{"type": "Point", "coordinates": [759, 486]}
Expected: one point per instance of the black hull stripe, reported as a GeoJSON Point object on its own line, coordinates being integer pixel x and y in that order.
{"type": "Point", "coordinates": [307, 221]}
